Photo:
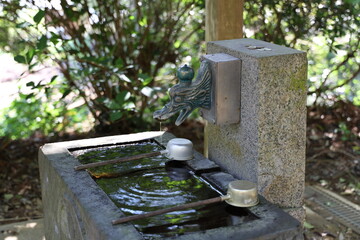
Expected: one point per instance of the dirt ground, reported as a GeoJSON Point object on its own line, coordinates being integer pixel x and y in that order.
{"type": "Point", "coordinates": [333, 161]}
{"type": "Point", "coordinates": [333, 149]}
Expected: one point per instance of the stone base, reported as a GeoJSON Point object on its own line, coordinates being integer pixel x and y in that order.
{"type": "Point", "coordinates": [75, 207]}
{"type": "Point", "coordinates": [297, 213]}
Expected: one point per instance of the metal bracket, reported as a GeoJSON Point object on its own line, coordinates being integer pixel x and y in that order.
{"type": "Point", "coordinates": [226, 84]}
{"type": "Point", "coordinates": [216, 91]}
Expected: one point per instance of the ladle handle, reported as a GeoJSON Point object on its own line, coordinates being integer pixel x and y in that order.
{"type": "Point", "coordinates": [171, 209]}
{"type": "Point", "coordinates": [117, 160]}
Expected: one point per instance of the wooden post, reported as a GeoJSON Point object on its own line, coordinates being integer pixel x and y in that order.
{"type": "Point", "coordinates": [224, 19]}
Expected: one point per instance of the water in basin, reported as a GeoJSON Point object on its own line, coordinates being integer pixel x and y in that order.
{"type": "Point", "coordinates": [155, 183]}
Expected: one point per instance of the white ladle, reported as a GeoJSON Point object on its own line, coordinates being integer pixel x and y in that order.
{"type": "Point", "coordinates": [179, 149]}
{"type": "Point", "coordinates": [240, 194]}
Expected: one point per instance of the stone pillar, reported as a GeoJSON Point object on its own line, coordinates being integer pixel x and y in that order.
{"type": "Point", "coordinates": [267, 146]}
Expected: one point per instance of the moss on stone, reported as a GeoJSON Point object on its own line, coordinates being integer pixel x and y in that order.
{"type": "Point", "coordinates": [298, 80]}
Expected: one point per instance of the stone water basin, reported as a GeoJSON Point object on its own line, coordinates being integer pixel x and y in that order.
{"type": "Point", "coordinates": [154, 183]}
{"type": "Point", "coordinates": [81, 204]}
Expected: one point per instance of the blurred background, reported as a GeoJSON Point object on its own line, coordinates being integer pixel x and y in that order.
{"type": "Point", "coordinates": [72, 69]}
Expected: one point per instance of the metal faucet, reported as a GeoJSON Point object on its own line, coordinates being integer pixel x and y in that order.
{"type": "Point", "coordinates": [186, 96]}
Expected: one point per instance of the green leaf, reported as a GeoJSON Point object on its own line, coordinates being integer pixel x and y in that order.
{"type": "Point", "coordinates": [54, 38]}
{"type": "Point", "coordinates": [143, 22]}
{"type": "Point", "coordinates": [33, 65]}
{"type": "Point", "coordinates": [121, 97]}
{"type": "Point", "coordinates": [53, 78]}
{"type": "Point", "coordinates": [129, 106]}
{"type": "Point", "coordinates": [308, 225]}
{"type": "Point", "coordinates": [30, 84]}
{"type": "Point", "coordinates": [114, 105]}
{"type": "Point", "coordinates": [39, 85]}
{"type": "Point", "coordinates": [73, 14]}
{"type": "Point", "coordinates": [119, 63]}
{"type": "Point", "coordinates": [42, 43]}
{"type": "Point", "coordinates": [115, 116]}
{"type": "Point", "coordinates": [145, 79]}
{"type": "Point", "coordinates": [8, 196]}
{"type": "Point", "coordinates": [101, 100]}
{"type": "Point", "coordinates": [67, 91]}
{"type": "Point", "coordinates": [124, 78]}
{"type": "Point", "coordinates": [177, 44]}
{"type": "Point", "coordinates": [20, 59]}
{"type": "Point", "coordinates": [29, 55]}
{"type": "Point", "coordinates": [339, 46]}
{"type": "Point", "coordinates": [37, 18]}
{"type": "Point", "coordinates": [23, 25]}
{"type": "Point", "coordinates": [29, 96]}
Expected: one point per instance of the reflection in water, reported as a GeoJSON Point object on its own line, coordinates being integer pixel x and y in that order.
{"type": "Point", "coordinates": [177, 170]}
{"type": "Point", "coordinates": [151, 184]}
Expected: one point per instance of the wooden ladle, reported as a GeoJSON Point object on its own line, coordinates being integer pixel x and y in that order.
{"type": "Point", "coordinates": [180, 149]}
{"type": "Point", "coordinates": [240, 194]}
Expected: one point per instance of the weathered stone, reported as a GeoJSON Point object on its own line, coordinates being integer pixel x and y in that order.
{"type": "Point", "coordinates": [202, 164]}
{"type": "Point", "coordinates": [298, 213]}
{"type": "Point", "coordinates": [220, 180]}
{"type": "Point", "coordinates": [75, 207]}
{"type": "Point", "coordinates": [268, 145]}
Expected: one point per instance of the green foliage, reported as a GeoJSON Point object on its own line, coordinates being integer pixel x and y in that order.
{"type": "Point", "coordinates": [109, 53]}
{"type": "Point", "coordinates": [38, 111]}
{"type": "Point", "coordinates": [27, 115]}
{"type": "Point", "coordinates": [39, 16]}
{"type": "Point", "coordinates": [328, 30]}
{"type": "Point", "coordinates": [308, 225]}
{"type": "Point", "coordinates": [346, 134]}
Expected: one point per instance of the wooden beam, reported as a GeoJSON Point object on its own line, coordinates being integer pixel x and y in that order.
{"type": "Point", "coordinates": [224, 19]}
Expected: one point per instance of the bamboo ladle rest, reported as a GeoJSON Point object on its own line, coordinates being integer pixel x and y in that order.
{"type": "Point", "coordinates": [240, 194]}
{"type": "Point", "coordinates": [179, 149]}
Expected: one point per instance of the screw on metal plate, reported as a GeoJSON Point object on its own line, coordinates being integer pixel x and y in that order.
{"type": "Point", "coordinates": [259, 48]}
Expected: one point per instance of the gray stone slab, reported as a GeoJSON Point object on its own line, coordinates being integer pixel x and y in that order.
{"type": "Point", "coordinates": [268, 145]}
{"type": "Point", "coordinates": [244, 47]}
{"type": "Point", "coordinates": [220, 180]}
{"type": "Point", "coordinates": [202, 164]}
{"type": "Point", "coordinates": [198, 164]}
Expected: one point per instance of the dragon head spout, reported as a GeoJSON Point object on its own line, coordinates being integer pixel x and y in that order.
{"type": "Point", "coordinates": [187, 95]}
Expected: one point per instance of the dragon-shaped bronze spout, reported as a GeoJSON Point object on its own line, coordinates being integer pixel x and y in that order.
{"type": "Point", "coordinates": [187, 95]}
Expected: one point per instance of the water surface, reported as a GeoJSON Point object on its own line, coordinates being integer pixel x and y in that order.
{"type": "Point", "coordinates": [155, 183]}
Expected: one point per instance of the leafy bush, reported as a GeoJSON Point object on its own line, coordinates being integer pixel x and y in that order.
{"type": "Point", "coordinates": [41, 109]}
{"type": "Point", "coordinates": [328, 30]}
{"type": "Point", "coordinates": [109, 52]}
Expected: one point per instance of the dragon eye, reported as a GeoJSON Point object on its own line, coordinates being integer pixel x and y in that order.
{"type": "Point", "coordinates": [177, 99]}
